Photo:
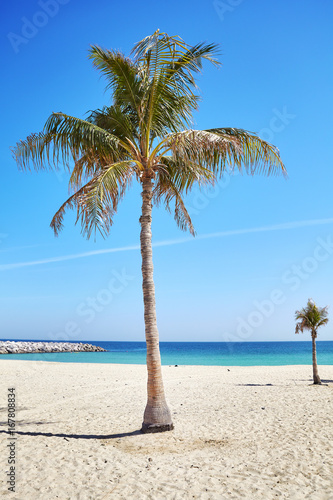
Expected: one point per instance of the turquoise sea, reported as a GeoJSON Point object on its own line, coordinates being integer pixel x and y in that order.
{"type": "Point", "coordinates": [196, 353]}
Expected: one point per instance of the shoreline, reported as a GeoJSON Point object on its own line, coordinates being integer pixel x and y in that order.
{"type": "Point", "coordinates": [8, 357]}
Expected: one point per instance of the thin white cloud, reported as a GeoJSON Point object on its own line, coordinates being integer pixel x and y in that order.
{"type": "Point", "coordinates": [66, 257]}
{"type": "Point", "coordinates": [234, 232]}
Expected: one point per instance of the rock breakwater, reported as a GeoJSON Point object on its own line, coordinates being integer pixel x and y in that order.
{"type": "Point", "coordinates": [11, 347]}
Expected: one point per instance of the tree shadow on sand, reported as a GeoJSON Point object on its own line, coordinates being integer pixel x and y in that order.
{"type": "Point", "coordinates": [4, 409]}
{"type": "Point", "coordinates": [310, 381]}
{"type": "Point", "coordinates": [26, 422]}
{"type": "Point", "coordinates": [75, 436]}
{"type": "Point", "coordinates": [255, 385]}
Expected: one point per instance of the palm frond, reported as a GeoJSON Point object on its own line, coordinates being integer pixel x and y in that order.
{"type": "Point", "coordinates": [311, 317]}
{"type": "Point", "coordinates": [36, 150]}
{"type": "Point", "coordinates": [167, 193]}
{"type": "Point", "coordinates": [180, 72]}
{"type": "Point", "coordinates": [169, 65]}
{"type": "Point", "coordinates": [84, 169]}
{"type": "Point", "coordinates": [64, 139]}
{"type": "Point", "coordinates": [76, 136]}
{"type": "Point", "coordinates": [97, 201]}
{"type": "Point", "coordinates": [174, 179]}
{"type": "Point", "coordinates": [173, 52]}
{"type": "Point", "coordinates": [122, 74]}
{"type": "Point", "coordinates": [74, 201]}
{"type": "Point", "coordinates": [257, 155]}
{"type": "Point", "coordinates": [116, 120]}
{"type": "Point", "coordinates": [184, 175]}
{"type": "Point", "coordinates": [218, 149]}
{"type": "Point", "coordinates": [100, 201]}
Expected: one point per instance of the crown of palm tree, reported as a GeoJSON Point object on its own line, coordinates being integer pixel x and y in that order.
{"type": "Point", "coordinates": [311, 318]}
{"type": "Point", "coordinates": [144, 132]}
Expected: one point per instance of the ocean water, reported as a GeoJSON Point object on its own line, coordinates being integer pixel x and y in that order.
{"type": "Point", "coordinates": [197, 353]}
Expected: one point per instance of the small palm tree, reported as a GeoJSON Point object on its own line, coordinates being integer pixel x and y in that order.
{"type": "Point", "coordinates": [311, 318]}
{"type": "Point", "coordinates": [144, 135]}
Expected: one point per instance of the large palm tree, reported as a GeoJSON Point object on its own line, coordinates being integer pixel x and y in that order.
{"type": "Point", "coordinates": [144, 135]}
{"type": "Point", "coordinates": [311, 318]}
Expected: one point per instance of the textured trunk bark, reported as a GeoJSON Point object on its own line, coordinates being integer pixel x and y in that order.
{"type": "Point", "coordinates": [157, 417]}
{"type": "Point", "coordinates": [316, 378]}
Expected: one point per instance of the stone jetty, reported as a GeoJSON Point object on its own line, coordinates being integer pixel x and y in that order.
{"type": "Point", "coordinates": [11, 347]}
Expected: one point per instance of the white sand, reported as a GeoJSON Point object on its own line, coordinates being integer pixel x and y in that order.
{"type": "Point", "coordinates": [251, 432]}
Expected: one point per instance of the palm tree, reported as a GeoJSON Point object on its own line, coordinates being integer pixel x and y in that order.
{"type": "Point", "coordinates": [311, 318]}
{"type": "Point", "coordinates": [144, 135]}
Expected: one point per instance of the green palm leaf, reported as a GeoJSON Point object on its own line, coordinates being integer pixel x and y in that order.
{"type": "Point", "coordinates": [97, 201]}
{"type": "Point", "coordinates": [122, 74]}
{"type": "Point", "coordinates": [311, 318]}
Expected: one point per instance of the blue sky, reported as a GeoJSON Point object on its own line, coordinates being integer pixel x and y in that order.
{"type": "Point", "coordinates": [264, 245]}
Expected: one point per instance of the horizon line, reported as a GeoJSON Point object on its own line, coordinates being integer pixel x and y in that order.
{"type": "Point", "coordinates": [91, 341]}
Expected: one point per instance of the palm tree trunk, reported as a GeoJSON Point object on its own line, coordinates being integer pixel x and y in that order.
{"type": "Point", "coordinates": [157, 417]}
{"type": "Point", "coordinates": [316, 378]}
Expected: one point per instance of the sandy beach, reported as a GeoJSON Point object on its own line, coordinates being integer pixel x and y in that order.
{"type": "Point", "coordinates": [240, 432]}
